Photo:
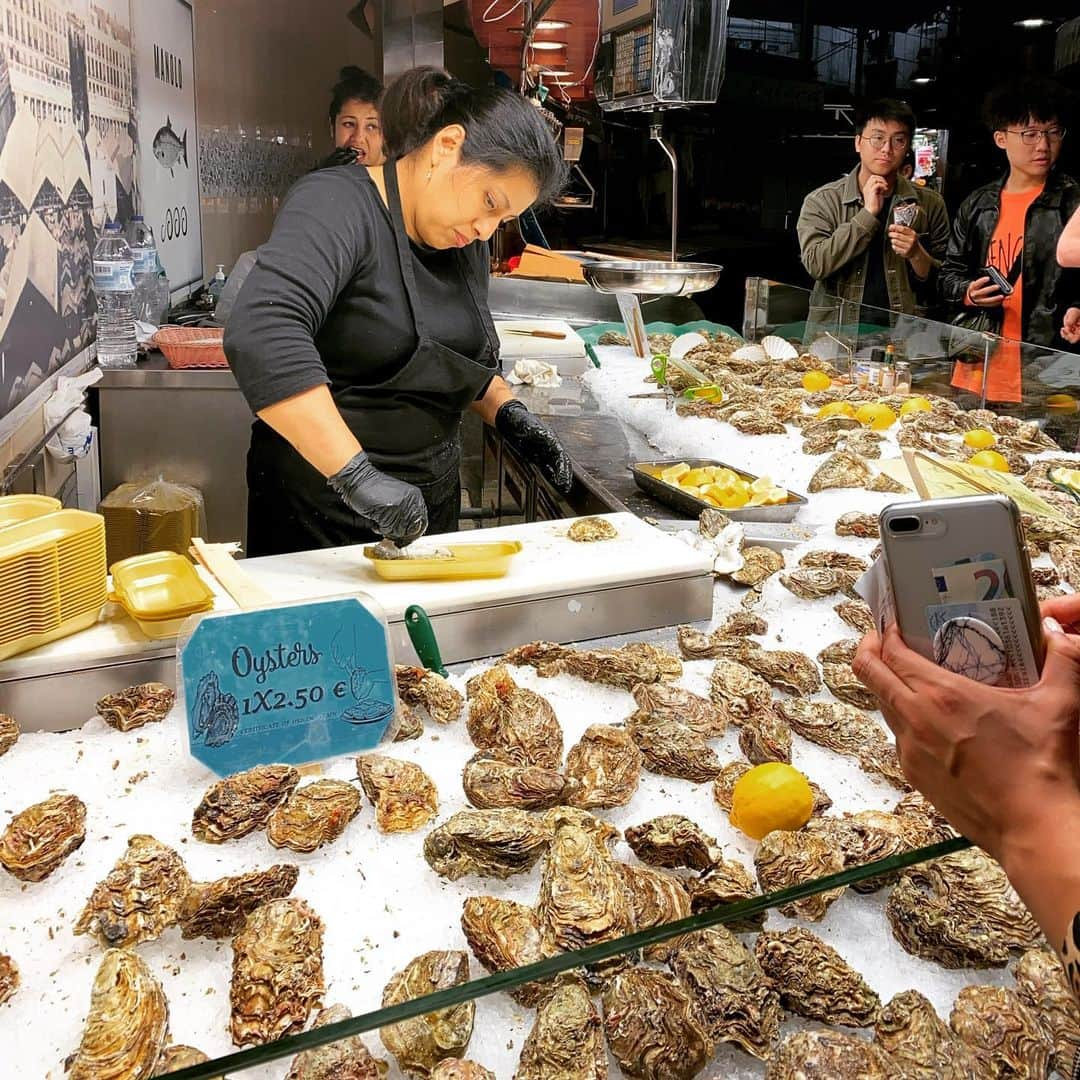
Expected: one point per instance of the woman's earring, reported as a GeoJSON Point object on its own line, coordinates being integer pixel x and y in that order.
{"type": "Point", "coordinates": [431, 169]}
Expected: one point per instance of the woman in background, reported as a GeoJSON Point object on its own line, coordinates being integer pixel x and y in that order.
{"type": "Point", "coordinates": [355, 124]}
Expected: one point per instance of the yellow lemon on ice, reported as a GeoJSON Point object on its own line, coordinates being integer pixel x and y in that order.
{"type": "Point", "coordinates": [816, 380]}
{"type": "Point", "coordinates": [979, 439]}
{"type": "Point", "coordinates": [876, 416]}
{"type": "Point", "coordinates": [835, 408]}
{"type": "Point", "coordinates": [770, 797]}
{"type": "Point", "coordinates": [989, 459]}
{"type": "Point", "coordinates": [1061, 402]}
{"type": "Point", "coordinates": [915, 404]}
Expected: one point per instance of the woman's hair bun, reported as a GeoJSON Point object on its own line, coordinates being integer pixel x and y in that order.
{"type": "Point", "coordinates": [354, 84]}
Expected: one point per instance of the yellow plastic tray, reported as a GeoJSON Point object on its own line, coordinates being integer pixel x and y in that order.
{"type": "Point", "coordinates": [161, 586]}
{"type": "Point", "coordinates": [466, 561]}
{"type": "Point", "coordinates": [17, 508]}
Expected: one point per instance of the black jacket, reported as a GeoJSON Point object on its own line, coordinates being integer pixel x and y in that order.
{"type": "Point", "coordinates": [1049, 291]}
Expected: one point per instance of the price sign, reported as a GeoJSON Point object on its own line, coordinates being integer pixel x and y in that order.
{"type": "Point", "coordinates": [287, 684]}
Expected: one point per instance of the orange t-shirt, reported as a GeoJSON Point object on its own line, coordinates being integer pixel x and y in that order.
{"type": "Point", "coordinates": [1006, 246]}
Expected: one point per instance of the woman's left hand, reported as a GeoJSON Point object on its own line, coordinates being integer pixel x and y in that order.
{"type": "Point", "coordinates": [536, 443]}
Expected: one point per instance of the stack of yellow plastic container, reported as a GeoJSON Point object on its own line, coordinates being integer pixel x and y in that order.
{"type": "Point", "coordinates": [52, 572]}
{"type": "Point", "coordinates": [160, 591]}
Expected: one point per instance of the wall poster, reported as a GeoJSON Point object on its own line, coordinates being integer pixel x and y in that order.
{"type": "Point", "coordinates": [168, 143]}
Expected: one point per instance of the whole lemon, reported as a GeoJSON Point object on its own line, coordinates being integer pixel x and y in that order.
{"type": "Point", "coordinates": [876, 416]}
{"type": "Point", "coordinates": [770, 797]}
{"type": "Point", "coordinates": [915, 404]}
{"type": "Point", "coordinates": [1061, 402]}
{"type": "Point", "coordinates": [979, 439]}
{"type": "Point", "coordinates": [816, 380]}
{"type": "Point", "coordinates": [989, 459]}
{"type": "Point", "coordinates": [835, 408]}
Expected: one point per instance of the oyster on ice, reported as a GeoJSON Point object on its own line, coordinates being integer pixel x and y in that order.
{"type": "Point", "coordinates": [606, 767]}
{"type": "Point", "coordinates": [567, 1039]}
{"type": "Point", "coordinates": [867, 836]}
{"type": "Point", "coordinates": [788, 670]}
{"type": "Point", "coordinates": [884, 483]}
{"type": "Point", "coordinates": [823, 559]}
{"type": "Point", "coordinates": [910, 1031]}
{"type": "Point", "coordinates": [127, 1024]}
{"type": "Point", "coordinates": [9, 733]}
{"type": "Point", "coordinates": [421, 1043]}
{"type": "Point", "coordinates": [277, 972]}
{"type": "Point", "coordinates": [653, 1027]}
{"type": "Point", "coordinates": [743, 624]}
{"type": "Point", "coordinates": [810, 583]}
{"type": "Point", "coordinates": [739, 691]}
{"type": "Point", "coordinates": [217, 909]}
{"type": "Point", "coordinates": [857, 614]}
{"type": "Point", "coordinates": [658, 702]}
{"type": "Point", "coordinates": [9, 978]}
{"type": "Point", "coordinates": [38, 839]}
{"type": "Point", "coordinates": [409, 724]}
{"type": "Point", "coordinates": [622, 668]}
{"type": "Point", "coordinates": [924, 816]}
{"type": "Point", "coordinates": [241, 803]}
{"type": "Point", "coordinates": [845, 686]}
{"type": "Point", "coordinates": [867, 444]}
{"type": "Point", "coordinates": [960, 911]}
{"type": "Point", "coordinates": [313, 815]}
{"type": "Point", "coordinates": [840, 470]}
{"type": "Point", "coordinates": [733, 771]}
{"type": "Point", "coordinates": [726, 883]}
{"type": "Point", "coordinates": [819, 439]}
{"type": "Point", "coordinates": [790, 858]}
{"type": "Point", "coordinates": [839, 652]}
{"type": "Point", "coordinates": [756, 422]}
{"type": "Point", "coordinates": [178, 1056]}
{"type": "Point", "coordinates": [672, 749]}
{"type": "Point", "coordinates": [829, 1055]}
{"type": "Point", "coordinates": [490, 843]}
{"type": "Point", "coordinates": [814, 980]}
{"type": "Point", "coordinates": [1002, 1031]}
{"type": "Point", "coordinates": [590, 529]}
{"type": "Point", "coordinates": [735, 1000]}
{"type": "Point", "coordinates": [672, 840]}
{"type": "Point", "coordinates": [137, 705]}
{"type": "Point", "coordinates": [858, 524]}
{"type": "Point", "coordinates": [656, 898]}
{"type": "Point", "coordinates": [403, 794]}
{"type": "Point", "coordinates": [765, 736]}
{"type": "Point", "coordinates": [1042, 986]}
{"type": "Point", "coordinates": [140, 897]}
{"type": "Point", "coordinates": [492, 784]}
{"type": "Point", "coordinates": [512, 723]}
{"type": "Point", "coordinates": [504, 935]}
{"type": "Point", "coordinates": [457, 1069]}
{"type": "Point", "coordinates": [420, 688]}
{"type": "Point", "coordinates": [697, 645]}
{"type": "Point", "coordinates": [759, 564]}
{"type": "Point", "coordinates": [344, 1059]}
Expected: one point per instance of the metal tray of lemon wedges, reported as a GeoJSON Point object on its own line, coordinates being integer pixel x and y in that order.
{"type": "Point", "coordinates": [650, 477]}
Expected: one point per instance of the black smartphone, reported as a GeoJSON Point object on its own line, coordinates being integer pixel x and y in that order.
{"type": "Point", "coordinates": [996, 278]}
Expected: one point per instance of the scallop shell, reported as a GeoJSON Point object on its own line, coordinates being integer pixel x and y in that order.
{"type": "Point", "coordinates": [421, 688]}
{"type": "Point", "coordinates": [277, 974]}
{"type": "Point", "coordinates": [567, 1039]}
{"type": "Point", "coordinates": [127, 1024]}
{"type": "Point", "coordinates": [504, 935]}
{"type": "Point", "coordinates": [137, 705]}
{"type": "Point", "coordinates": [344, 1059]}
{"type": "Point", "coordinates": [1042, 986]}
{"type": "Point", "coordinates": [791, 858]}
{"type": "Point", "coordinates": [840, 470]}
{"type": "Point", "coordinates": [140, 898]}
{"type": "Point", "coordinates": [606, 766]}
{"type": "Point", "coordinates": [9, 733]}
{"type": "Point", "coordinates": [490, 843]}
{"type": "Point", "coordinates": [514, 724]}
{"type": "Point", "coordinates": [241, 803]}
{"type": "Point", "coordinates": [218, 909]}
{"type": "Point", "coordinates": [39, 838]}
{"type": "Point", "coordinates": [776, 348]}
{"type": "Point", "coordinates": [457, 1069]}
{"type": "Point", "coordinates": [1004, 1033]}
{"type": "Point", "coordinates": [9, 978]}
{"type": "Point", "coordinates": [421, 1043]}
{"type": "Point", "coordinates": [313, 815]}
{"type": "Point", "coordinates": [755, 354]}
{"type": "Point", "coordinates": [673, 840]}
{"type": "Point", "coordinates": [491, 784]}
{"type": "Point", "coordinates": [829, 1055]}
{"type": "Point", "coordinates": [921, 1043]}
{"type": "Point", "coordinates": [404, 796]}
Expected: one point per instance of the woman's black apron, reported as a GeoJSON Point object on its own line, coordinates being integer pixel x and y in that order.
{"type": "Point", "coordinates": [409, 424]}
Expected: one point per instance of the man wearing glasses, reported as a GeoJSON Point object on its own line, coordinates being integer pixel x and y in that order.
{"type": "Point", "coordinates": [1013, 226]}
{"type": "Point", "coordinates": [872, 240]}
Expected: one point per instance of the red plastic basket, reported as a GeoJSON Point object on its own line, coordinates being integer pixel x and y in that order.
{"type": "Point", "coordinates": [191, 346]}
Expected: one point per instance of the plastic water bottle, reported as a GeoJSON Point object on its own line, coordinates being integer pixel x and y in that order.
{"type": "Point", "coordinates": [114, 286]}
{"type": "Point", "coordinates": [157, 298]}
{"type": "Point", "coordinates": [140, 238]}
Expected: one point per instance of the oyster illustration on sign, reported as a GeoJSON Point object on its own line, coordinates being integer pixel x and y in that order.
{"type": "Point", "coordinates": [137, 705]}
{"type": "Point", "coordinates": [622, 668]}
{"type": "Point", "coordinates": [921, 1043]}
{"type": "Point", "coordinates": [313, 815]}
{"type": "Point", "coordinates": [421, 1043]}
{"type": "Point", "coordinates": [38, 839]}
{"type": "Point", "coordinates": [606, 767]}
{"type": "Point", "coordinates": [1002, 1031]}
{"type": "Point", "coordinates": [567, 1039]}
{"type": "Point", "coordinates": [493, 784]}
{"type": "Point", "coordinates": [277, 974]}
{"type": "Point", "coordinates": [514, 724]}
{"type": "Point", "coordinates": [241, 803]}
{"type": "Point", "coordinates": [420, 688]}
{"type": "Point", "coordinates": [218, 909]}
{"type": "Point", "coordinates": [672, 840]}
{"type": "Point", "coordinates": [140, 897]}
{"type": "Point", "coordinates": [216, 716]}
{"type": "Point", "coordinates": [790, 858]}
{"type": "Point", "coordinates": [371, 702]}
{"type": "Point", "coordinates": [489, 843]}
{"type": "Point", "coordinates": [504, 935]}
{"type": "Point", "coordinates": [345, 1059]}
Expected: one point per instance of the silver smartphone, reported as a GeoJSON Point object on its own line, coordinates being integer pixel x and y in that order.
{"type": "Point", "coordinates": [962, 588]}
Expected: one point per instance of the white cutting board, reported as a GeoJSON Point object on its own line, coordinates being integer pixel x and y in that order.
{"type": "Point", "coordinates": [567, 353]}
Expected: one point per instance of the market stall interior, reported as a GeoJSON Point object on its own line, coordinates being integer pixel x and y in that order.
{"type": "Point", "coordinates": [586, 788]}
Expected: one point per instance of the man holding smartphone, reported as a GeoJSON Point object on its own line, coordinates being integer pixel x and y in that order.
{"type": "Point", "coordinates": [1002, 254]}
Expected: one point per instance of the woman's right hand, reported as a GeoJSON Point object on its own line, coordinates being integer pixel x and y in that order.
{"type": "Point", "coordinates": [982, 292]}
{"type": "Point", "coordinates": [394, 508]}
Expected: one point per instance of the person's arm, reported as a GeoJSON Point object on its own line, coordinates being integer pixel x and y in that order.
{"type": "Point", "coordinates": [956, 275]}
{"type": "Point", "coordinates": [1068, 249]}
{"type": "Point", "coordinates": [1001, 765]}
{"type": "Point", "coordinates": [827, 245]}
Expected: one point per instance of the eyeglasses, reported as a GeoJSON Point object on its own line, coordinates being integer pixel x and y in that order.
{"type": "Point", "coordinates": [878, 142]}
{"type": "Point", "coordinates": [1032, 136]}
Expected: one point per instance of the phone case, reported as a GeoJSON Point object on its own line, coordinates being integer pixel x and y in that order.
{"type": "Point", "coordinates": [962, 587]}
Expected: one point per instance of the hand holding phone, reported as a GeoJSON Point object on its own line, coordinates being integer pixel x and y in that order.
{"type": "Point", "coordinates": [997, 278]}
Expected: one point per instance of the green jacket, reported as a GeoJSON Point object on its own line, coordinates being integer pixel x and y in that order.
{"type": "Point", "coordinates": [835, 231]}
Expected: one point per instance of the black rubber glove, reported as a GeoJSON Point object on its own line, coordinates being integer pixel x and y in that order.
{"type": "Point", "coordinates": [535, 442]}
{"type": "Point", "coordinates": [343, 155]}
{"type": "Point", "coordinates": [395, 509]}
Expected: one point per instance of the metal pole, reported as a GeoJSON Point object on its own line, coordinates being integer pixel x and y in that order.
{"type": "Point", "coordinates": [656, 132]}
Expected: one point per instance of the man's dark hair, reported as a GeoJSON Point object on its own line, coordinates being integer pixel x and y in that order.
{"type": "Point", "coordinates": [885, 109]}
{"type": "Point", "coordinates": [1020, 100]}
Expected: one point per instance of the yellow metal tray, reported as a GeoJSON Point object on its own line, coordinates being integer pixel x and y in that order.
{"type": "Point", "coordinates": [466, 561]}
{"type": "Point", "coordinates": [160, 586]}
{"type": "Point", "coordinates": [17, 508]}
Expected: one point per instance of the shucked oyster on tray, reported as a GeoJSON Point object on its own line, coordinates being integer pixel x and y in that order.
{"type": "Point", "coordinates": [418, 687]}
{"type": "Point", "coordinates": [493, 784]}
{"type": "Point", "coordinates": [277, 974]}
{"type": "Point", "coordinates": [1042, 986]}
{"type": "Point", "coordinates": [1002, 1031]}
{"type": "Point", "coordinates": [38, 839]}
{"type": "Point", "coordinates": [789, 858]}
{"type": "Point", "coordinates": [673, 840]}
{"type": "Point", "coordinates": [921, 1044]}
{"type": "Point", "coordinates": [137, 705]}
{"type": "Point", "coordinates": [622, 668]}
{"type": "Point", "coordinates": [829, 1055]}
{"type": "Point", "coordinates": [344, 1059]}
{"type": "Point", "coordinates": [313, 815]}
{"type": "Point", "coordinates": [217, 909]}
{"type": "Point", "coordinates": [241, 803]}
{"type": "Point", "coordinates": [504, 935]}
{"type": "Point", "coordinates": [421, 1043]}
{"type": "Point", "coordinates": [605, 765]}
{"type": "Point", "coordinates": [403, 794]}
{"type": "Point", "coordinates": [567, 1039]}
{"type": "Point", "coordinates": [140, 898]}
{"type": "Point", "coordinates": [489, 843]}
{"type": "Point", "coordinates": [513, 724]}
{"type": "Point", "coordinates": [127, 1024]}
